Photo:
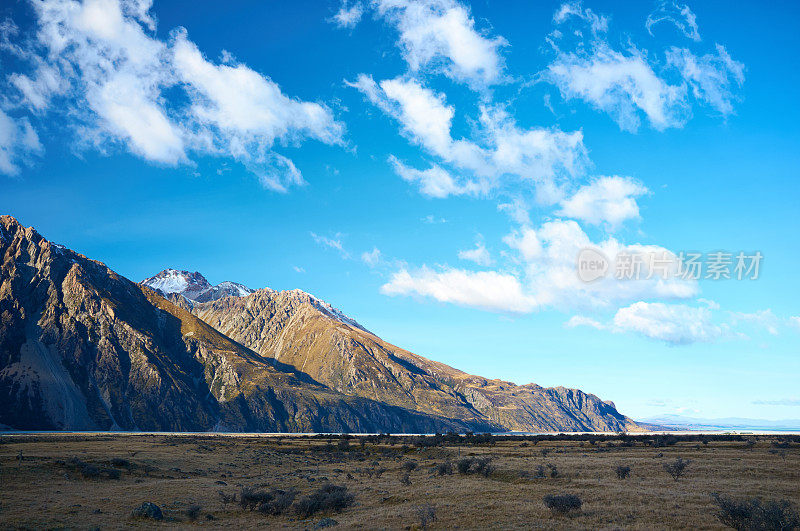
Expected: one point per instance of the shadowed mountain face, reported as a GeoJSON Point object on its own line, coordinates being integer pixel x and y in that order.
{"type": "Point", "coordinates": [84, 348]}
{"type": "Point", "coordinates": [293, 329]}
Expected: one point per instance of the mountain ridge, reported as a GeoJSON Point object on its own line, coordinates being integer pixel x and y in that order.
{"type": "Point", "coordinates": [355, 361]}
{"type": "Point", "coordinates": [82, 347]}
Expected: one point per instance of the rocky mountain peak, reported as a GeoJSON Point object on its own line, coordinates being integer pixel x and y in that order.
{"type": "Point", "coordinates": [185, 283]}
{"type": "Point", "coordinates": [193, 286]}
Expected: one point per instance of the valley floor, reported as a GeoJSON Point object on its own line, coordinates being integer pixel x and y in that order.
{"type": "Point", "coordinates": [79, 481]}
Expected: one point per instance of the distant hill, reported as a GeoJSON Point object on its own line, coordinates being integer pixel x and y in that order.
{"type": "Point", "coordinates": [730, 423]}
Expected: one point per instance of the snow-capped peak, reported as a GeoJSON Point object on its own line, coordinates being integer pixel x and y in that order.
{"type": "Point", "coordinates": [194, 286]}
{"type": "Point", "coordinates": [186, 283]}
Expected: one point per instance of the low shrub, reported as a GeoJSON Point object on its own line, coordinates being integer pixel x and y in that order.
{"type": "Point", "coordinates": [148, 510]}
{"type": "Point", "coordinates": [410, 465]}
{"type": "Point", "coordinates": [562, 503]}
{"type": "Point", "coordinates": [622, 471]}
{"type": "Point", "coordinates": [426, 514]}
{"type": "Point", "coordinates": [192, 512]}
{"type": "Point", "coordinates": [327, 498]}
{"type": "Point", "coordinates": [227, 498]}
{"type": "Point", "coordinates": [463, 465]}
{"type": "Point", "coordinates": [280, 502]}
{"type": "Point", "coordinates": [473, 465]}
{"type": "Point", "coordinates": [91, 471]}
{"type": "Point", "coordinates": [444, 468]}
{"type": "Point", "coordinates": [676, 468]}
{"type": "Point", "coordinates": [251, 498]}
{"type": "Point", "coordinates": [778, 515]}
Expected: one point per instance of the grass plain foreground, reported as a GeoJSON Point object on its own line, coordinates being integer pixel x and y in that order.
{"type": "Point", "coordinates": [102, 481]}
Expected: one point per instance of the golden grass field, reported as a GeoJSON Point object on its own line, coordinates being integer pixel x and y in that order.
{"type": "Point", "coordinates": [41, 486]}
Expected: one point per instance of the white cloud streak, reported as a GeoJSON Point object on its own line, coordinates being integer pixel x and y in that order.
{"type": "Point", "coordinates": [486, 290]}
{"type": "Point", "coordinates": [372, 258]}
{"type": "Point", "coordinates": [677, 14]}
{"type": "Point", "coordinates": [547, 157]}
{"type": "Point", "coordinates": [712, 77]}
{"type": "Point", "coordinates": [334, 243]}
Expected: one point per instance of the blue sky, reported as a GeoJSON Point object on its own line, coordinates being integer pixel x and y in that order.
{"type": "Point", "coordinates": [433, 168]}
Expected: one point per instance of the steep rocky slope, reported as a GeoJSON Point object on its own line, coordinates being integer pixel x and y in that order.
{"type": "Point", "coordinates": [84, 348]}
{"type": "Point", "coordinates": [292, 328]}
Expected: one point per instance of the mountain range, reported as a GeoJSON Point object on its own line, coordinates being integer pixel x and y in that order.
{"type": "Point", "coordinates": [679, 422]}
{"type": "Point", "coordinates": [84, 348]}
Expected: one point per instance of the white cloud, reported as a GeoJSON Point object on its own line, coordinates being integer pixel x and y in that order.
{"type": "Point", "coordinates": [433, 182]}
{"type": "Point", "coordinates": [423, 113]}
{"type": "Point", "coordinates": [674, 324]}
{"type": "Point", "coordinates": [764, 319]}
{"type": "Point", "coordinates": [677, 324]}
{"type": "Point", "coordinates": [678, 14]}
{"type": "Point", "coordinates": [597, 23]}
{"type": "Point", "coordinates": [480, 255]}
{"type": "Point", "coordinates": [487, 290]}
{"type": "Point", "coordinates": [38, 88]}
{"type": "Point", "coordinates": [517, 210]}
{"type": "Point", "coordinates": [632, 83]}
{"type": "Point", "coordinates": [526, 241]}
{"type": "Point", "coordinates": [245, 113]}
{"type": "Point", "coordinates": [130, 111]}
{"type": "Point", "coordinates": [18, 141]}
{"type": "Point", "coordinates": [348, 15]}
{"type": "Point", "coordinates": [441, 34]}
{"type": "Point", "coordinates": [101, 66]}
{"type": "Point", "coordinates": [298, 269]}
{"type": "Point", "coordinates": [779, 402]}
{"type": "Point", "coordinates": [547, 257]}
{"type": "Point", "coordinates": [547, 157]}
{"type": "Point", "coordinates": [711, 305]}
{"type": "Point", "coordinates": [795, 321]}
{"type": "Point", "coordinates": [711, 77]}
{"type": "Point", "coordinates": [622, 85]}
{"type": "Point", "coordinates": [430, 219]}
{"type": "Point", "coordinates": [681, 324]}
{"type": "Point", "coordinates": [371, 258]}
{"type": "Point", "coordinates": [334, 243]}
{"type": "Point", "coordinates": [608, 201]}
{"type": "Point", "coordinates": [581, 320]}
